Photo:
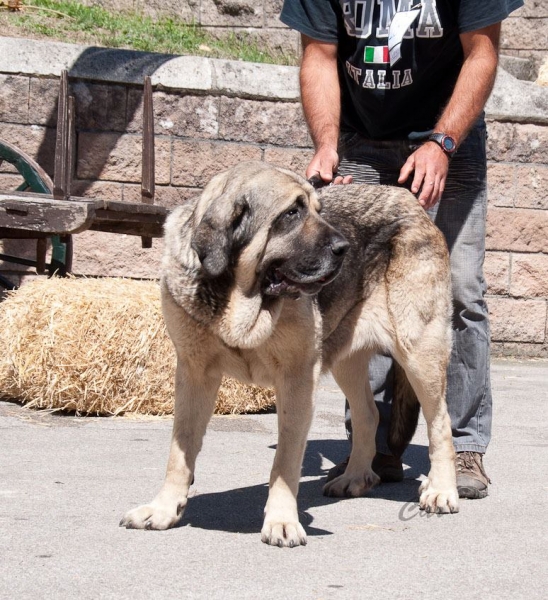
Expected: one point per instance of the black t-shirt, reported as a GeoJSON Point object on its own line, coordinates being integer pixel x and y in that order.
{"type": "Point", "coordinates": [390, 90]}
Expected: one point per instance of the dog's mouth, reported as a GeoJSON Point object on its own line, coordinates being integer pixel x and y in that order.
{"type": "Point", "coordinates": [278, 283]}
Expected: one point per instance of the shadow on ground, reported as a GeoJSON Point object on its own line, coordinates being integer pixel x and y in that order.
{"type": "Point", "coordinates": [240, 510]}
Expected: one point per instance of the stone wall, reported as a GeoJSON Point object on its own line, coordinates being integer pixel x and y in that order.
{"type": "Point", "coordinates": [524, 34]}
{"type": "Point", "coordinates": [256, 19]}
{"type": "Point", "coordinates": [211, 114]}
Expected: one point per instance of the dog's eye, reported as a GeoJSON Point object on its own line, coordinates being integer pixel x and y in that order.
{"type": "Point", "coordinates": [292, 212]}
{"type": "Point", "coordinates": [295, 209]}
{"type": "Point", "coordinates": [292, 216]}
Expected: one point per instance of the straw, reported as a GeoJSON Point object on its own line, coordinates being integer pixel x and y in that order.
{"type": "Point", "coordinates": [97, 347]}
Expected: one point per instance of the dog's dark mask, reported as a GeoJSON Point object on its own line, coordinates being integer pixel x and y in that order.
{"type": "Point", "coordinates": [314, 253]}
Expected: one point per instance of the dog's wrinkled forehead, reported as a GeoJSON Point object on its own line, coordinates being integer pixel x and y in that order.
{"type": "Point", "coordinates": [265, 187]}
{"type": "Point", "coordinates": [277, 190]}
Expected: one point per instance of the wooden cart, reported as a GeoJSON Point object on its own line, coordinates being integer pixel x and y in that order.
{"type": "Point", "coordinates": [42, 209]}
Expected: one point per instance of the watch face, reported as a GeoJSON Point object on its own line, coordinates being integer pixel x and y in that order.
{"type": "Point", "coordinates": [448, 144]}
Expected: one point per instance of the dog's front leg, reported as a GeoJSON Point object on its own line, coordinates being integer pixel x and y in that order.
{"type": "Point", "coordinates": [195, 397]}
{"type": "Point", "coordinates": [295, 405]}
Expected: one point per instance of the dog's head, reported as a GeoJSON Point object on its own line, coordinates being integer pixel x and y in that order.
{"type": "Point", "coordinates": [264, 224]}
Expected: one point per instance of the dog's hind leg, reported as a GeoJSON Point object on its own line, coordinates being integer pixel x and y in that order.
{"type": "Point", "coordinates": [425, 368]}
{"type": "Point", "coordinates": [294, 406]}
{"type": "Point", "coordinates": [352, 376]}
{"type": "Point", "coordinates": [195, 397]}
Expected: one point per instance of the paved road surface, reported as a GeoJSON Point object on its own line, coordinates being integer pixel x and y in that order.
{"type": "Point", "coordinates": [65, 482]}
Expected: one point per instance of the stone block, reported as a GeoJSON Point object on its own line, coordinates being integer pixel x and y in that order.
{"type": "Point", "coordinates": [9, 181]}
{"type": "Point", "coordinates": [103, 190]}
{"type": "Point", "coordinates": [520, 68]}
{"type": "Point", "coordinates": [183, 73]}
{"type": "Point", "coordinates": [195, 163]}
{"type": "Point", "coordinates": [280, 124]}
{"type": "Point", "coordinates": [496, 270]}
{"type": "Point", "coordinates": [532, 187]}
{"type": "Point", "coordinates": [289, 158]}
{"type": "Point", "coordinates": [529, 276]}
{"type": "Point", "coordinates": [517, 320]}
{"type": "Point", "coordinates": [514, 142]}
{"type": "Point", "coordinates": [272, 10]}
{"type": "Point", "coordinates": [501, 184]}
{"type": "Point", "coordinates": [531, 9]}
{"type": "Point", "coordinates": [36, 141]}
{"type": "Point", "coordinates": [188, 10]}
{"type": "Point", "coordinates": [517, 350]}
{"type": "Point", "coordinates": [280, 41]}
{"type": "Point", "coordinates": [167, 196]}
{"type": "Point", "coordinates": [256, 81]}
{"type": "Point", "coordinates": [283, 42]}
{"type": "Point", "coordinates": [20, 248]}
{"type": "Point", "coordinates": [517, 101]}
{"type": "Point", "coordinates": [7, 168]}
{"type": "Point", "coordinates": [109, 156]}
{"type": "Point", "coordinates": [100, 107]}
{"type": "Point", "coordinates": [171, 197]}
{"type": "Point", "coordinates": [131, 192]}
{"type": "Point", "coordinates": [239, 13]}
{"type": "Point", "coordinates": [100, 254]}
{"type": "Point", "coordinates": [176, 114]}
{"type": "Point", "coordinates": [537, 57]}
{"type": "Point", "coordinates": [14, 99]}
{"type": "Point", "coordinates": [518, 230]}
{"type": "Point", "coordinates": [43, 97]}
{"type": "Point", "coordinates": [525, 34]}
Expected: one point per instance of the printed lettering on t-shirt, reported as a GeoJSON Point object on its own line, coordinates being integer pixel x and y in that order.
{"type": "Point", "coordinates": [429, 25]}
{"type": "Point", "coordinates": [358, 18]}
{"type": "Point", "coordinates": [380, 79]}
{"type": "Point", "coordinates": [370, 20]}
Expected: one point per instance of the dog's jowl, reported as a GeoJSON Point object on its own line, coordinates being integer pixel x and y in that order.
{"type": "Point", "coordinates": [270, 282]}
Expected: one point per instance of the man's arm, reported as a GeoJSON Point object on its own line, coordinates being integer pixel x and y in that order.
{"type": "Point", "coordinates": [474, 84]}
{"type": "Point", "coordinates": [321, 100]}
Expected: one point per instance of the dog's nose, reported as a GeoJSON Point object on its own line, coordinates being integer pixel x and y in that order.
{"type": "Point", "coordinates": [339, 245]}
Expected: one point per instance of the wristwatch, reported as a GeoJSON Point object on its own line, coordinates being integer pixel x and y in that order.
{"type": "Point", "coordinates": [445, 142]}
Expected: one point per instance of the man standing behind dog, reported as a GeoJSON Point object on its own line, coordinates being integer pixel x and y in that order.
{"type": "Point", "coordinates": [397, 98]}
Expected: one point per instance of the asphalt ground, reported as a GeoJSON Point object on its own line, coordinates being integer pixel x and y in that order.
{"type": "Point", "coordinates": [65, 482]}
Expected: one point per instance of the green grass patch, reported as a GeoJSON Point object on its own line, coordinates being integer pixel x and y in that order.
{"type": "Point", "coordinates": [70, 21]}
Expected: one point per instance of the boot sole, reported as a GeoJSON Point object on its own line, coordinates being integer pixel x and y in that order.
{"type": "Point", "coordinates": [471, 493]}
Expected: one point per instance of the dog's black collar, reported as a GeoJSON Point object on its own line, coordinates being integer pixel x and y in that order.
{"type": "Point", "coordinates": [317, 182]}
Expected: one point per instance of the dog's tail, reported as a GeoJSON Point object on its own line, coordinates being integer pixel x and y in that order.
{"type": "Point", "coordinates": [405, 413]}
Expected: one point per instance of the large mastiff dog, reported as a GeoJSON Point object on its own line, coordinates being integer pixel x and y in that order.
{"type": "Point", "coordinates": [270, 282]}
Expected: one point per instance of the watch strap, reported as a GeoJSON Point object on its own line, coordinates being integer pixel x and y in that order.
{"type": "Point", "coordinates": [445, 142]}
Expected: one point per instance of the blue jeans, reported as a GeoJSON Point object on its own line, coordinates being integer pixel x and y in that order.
{"type": "Point", "coordinates": [461, 216]}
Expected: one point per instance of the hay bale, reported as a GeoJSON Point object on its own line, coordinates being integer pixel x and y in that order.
{"type": "Point", "coordinates": [97, 347]}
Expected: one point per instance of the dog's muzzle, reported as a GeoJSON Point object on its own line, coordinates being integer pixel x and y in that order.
{"type": "Point", "coordinates": [306, 274]}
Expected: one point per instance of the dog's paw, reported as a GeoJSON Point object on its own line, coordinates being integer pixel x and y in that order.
{"type": "Point", "coordinates": [283, 534]}
{"type": "Point", "coordinates": [351, 486]}
{"type": "Point", "coordinates": [155, 515]}
{"type": "Point", "coordinates": [435, 500]}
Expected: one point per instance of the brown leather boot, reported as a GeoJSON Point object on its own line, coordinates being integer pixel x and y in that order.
{"type": "Point", "coordinates": [472, 480]}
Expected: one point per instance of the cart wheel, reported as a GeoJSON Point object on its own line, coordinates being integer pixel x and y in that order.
{"type": "Point", "coordinates": [36, 180]}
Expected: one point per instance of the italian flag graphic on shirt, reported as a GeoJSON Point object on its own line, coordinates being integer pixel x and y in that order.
{"type": "Point", "coordinates": [376, 54]}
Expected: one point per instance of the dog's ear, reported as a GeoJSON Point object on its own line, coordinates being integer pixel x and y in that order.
{"type": "Point", "coordinates": [222, 226]}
